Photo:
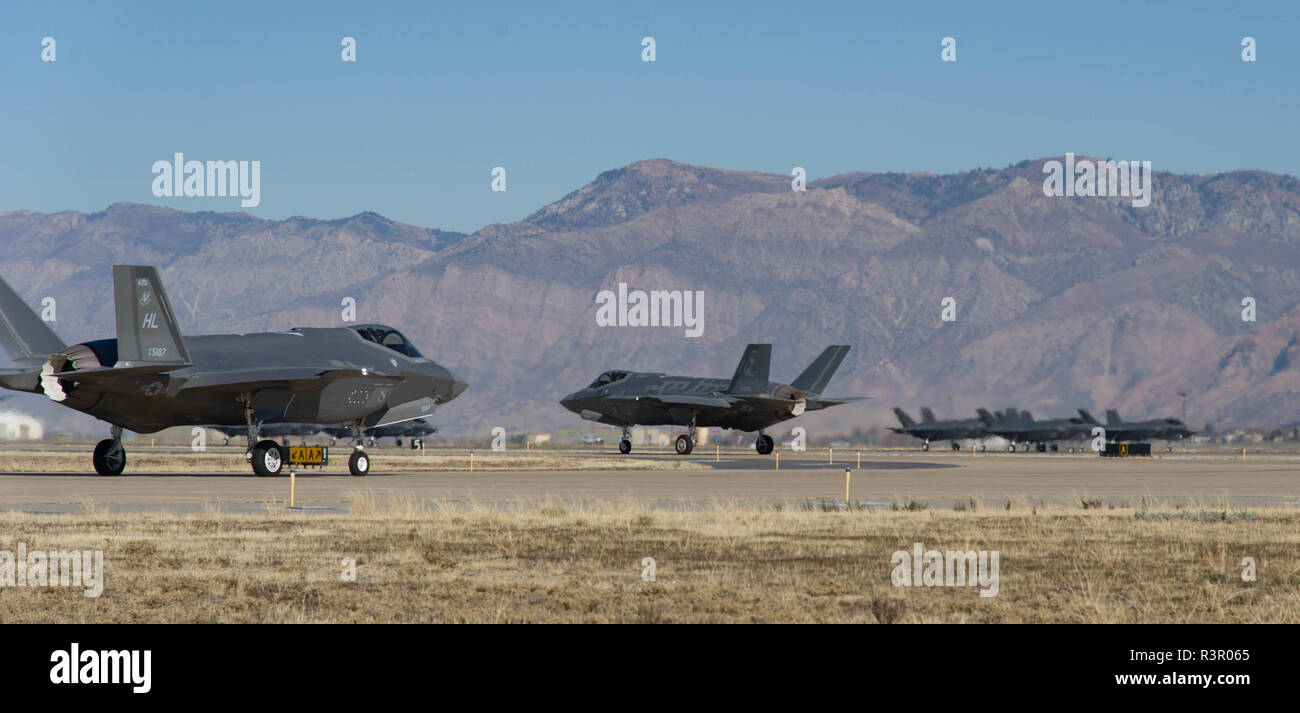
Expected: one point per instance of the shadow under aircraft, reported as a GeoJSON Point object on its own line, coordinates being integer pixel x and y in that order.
{"type": "Point", "coordinates": [748, 402]}
{"type": "Point", "coordinates": [149, 377]}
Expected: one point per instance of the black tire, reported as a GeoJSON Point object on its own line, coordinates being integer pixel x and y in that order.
{"type": "Point", "coordinates": [764, 445]}
{"type": "Point", "coordinates": [956, 446]}
{"type": "Point", "coordinates": [269, 458]}
{"type": "Point", "coordinates": [109, 457]}
{"type": "Point", "coordinates": [925, 446]}
{"type": "Point", "coordinates": [1011, 448]}
{"type": "Point", "coordinates": [1071, 449]}
{"type": "Point", "coordinates": [399, 443]}
{"type": "Point", "coordinates": [684, 445]}
{"type": "Point", "coordinates": [359, 463]}
{"type": "Point", "coordinates": [983, 448]}
{"type": "Point", "coordinates": [624, 446]}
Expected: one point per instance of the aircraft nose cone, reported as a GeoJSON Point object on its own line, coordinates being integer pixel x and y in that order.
{"type": "Point", "coordinates": [570, 402]}
{"type": "Point", "coordinates": [455, 388]}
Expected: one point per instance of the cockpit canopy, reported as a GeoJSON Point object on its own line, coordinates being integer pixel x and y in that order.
{"type": "Point", "coordinates": [388, 337]}
{"type": "Point", "coordinates": [608, 378]}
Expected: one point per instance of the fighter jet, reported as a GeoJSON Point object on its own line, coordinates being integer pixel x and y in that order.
{"type": "Point", "coordinates": [1120, 431]}
{"type": "Point", "coordinates": [930, 429]}
{"type": "Point", "coordinates": [149, 377]}
{"type": "Point", "coordinates": [271, 430]}
{"type": "Point", "coordinates": [1020, 428]}
{"type": "Point", "coordinates": [749, 402]}
{"type": "Point", "coordinates": [417, 428]}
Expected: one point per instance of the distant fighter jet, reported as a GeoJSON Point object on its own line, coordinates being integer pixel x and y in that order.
{"type": "Point", "coordinates": [749, 402]}
{"type": "Point", "coordinates": [149, 378]}
{"type": "Point", "coordinates": [271, 430]}
{"type": "Point", "coordinates": [1020, 428]}
{"type": "Point", "coordinates": [930, 429]}
{"type": "Point", "coordinates": [417, 428]}
{"type": "Point", "coordinates": [1120, 431]}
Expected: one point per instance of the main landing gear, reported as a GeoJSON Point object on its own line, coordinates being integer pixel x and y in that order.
{"type": "Point", "coordinates": [625, 445]}
{"type": "Point", "coordinates": [764, 444]}
{"type": "Point", "coordinates": [110, 455]}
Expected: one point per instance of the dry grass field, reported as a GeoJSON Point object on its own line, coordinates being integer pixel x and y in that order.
{"type": "Point", "coordinates": [426, 561]}
{"type": "Point", "coordinates": [230, 460]}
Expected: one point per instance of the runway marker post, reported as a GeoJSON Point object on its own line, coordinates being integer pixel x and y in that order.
{"type": "Point", "coordinates": [717, 452]}
{"type": "Point", "coordinates": [292, 473]}
{"type": "Point", "coordinates": [778, 460]}
{"type": "Point", "coordinates": [471, 461]}
{"type": "Point", "coordinates": [830, 453]}
{"type": "Point", "coordinates": [859, 459]}
{"type": "Point", "coordinates": [848, 474]}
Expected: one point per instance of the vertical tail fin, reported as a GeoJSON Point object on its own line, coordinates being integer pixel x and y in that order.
{"type": "Point", "coordinates": [1087, 417]}
{"type": "Point", "coordinates": [23, 334]}
{"type": "Point", "coordinates": [903, 418]}
{"type": "Point", "coordinates": [751, 373]}
{"type": "Point", "coordinates": [927, 416]}
{"type": "Point", "coordinates": [813, 380]}
{"type": "Point", "coordinates": [146, 325]}
{"type": "Point", "coordinates": [1112, 417]}
{"type": "Point", "coordinates": [986, 418]}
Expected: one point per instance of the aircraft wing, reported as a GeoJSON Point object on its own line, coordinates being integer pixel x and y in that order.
{"type": "Point", "coordinates": [681, 400]}
{"type": "Point", "coordinates": [241, 379]}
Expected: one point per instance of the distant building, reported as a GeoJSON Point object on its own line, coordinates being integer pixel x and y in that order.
{"type": "Point", "coordinates": [17, 426]}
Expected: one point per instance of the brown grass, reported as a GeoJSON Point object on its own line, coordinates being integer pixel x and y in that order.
{"type": "Point", "coordinates": [420, 561]}
{"type": "Point", "coordinates": [145, 459]}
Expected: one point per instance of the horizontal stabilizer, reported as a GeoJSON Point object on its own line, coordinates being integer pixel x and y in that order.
{"type": "Point", "coordinates": [23, 334]}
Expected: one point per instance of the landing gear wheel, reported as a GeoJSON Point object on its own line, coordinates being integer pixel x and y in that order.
{"type": "Point", "coordinates": [1011, 448]}
{"type": "Point", "coordinates": [1169, 449]}
{"type": "Point", "coordinates": [764, 444]}
{"type": "Point", "coordinates": [983, 448]}
{"type": "Point", "coordinates": [1055, 448]}
{"type": "Point", "coordinates": [684, 445]}
{"type": "Point", "coordinates": [109, 457]}
{"type": "Point", "coordinates": [1024, 448]}
{"type": "Point", "coordinates": [956, 446]}
{"type": "Point", "coordinates": [268, 459]}
{"type": "Point", "coordinates": [1071, 449]}
{"type": "Point", "coordinates": [624, 446]}
{"type": "Point", "coordinates": [925, 446]}
{"type": "Point", "coordinates": [399, 443]}
{"type": "Point", "coordinates": [359, 463]}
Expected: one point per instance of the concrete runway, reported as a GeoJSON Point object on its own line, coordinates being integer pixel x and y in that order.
{"type": "Point", "coordinates": [940, 478]}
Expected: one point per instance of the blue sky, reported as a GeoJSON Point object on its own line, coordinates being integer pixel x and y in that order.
{"type": "Point", "coordinates": [557, 93]}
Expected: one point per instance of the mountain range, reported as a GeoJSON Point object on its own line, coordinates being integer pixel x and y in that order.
{"type": "Point", "coordinates": [1059, 302]}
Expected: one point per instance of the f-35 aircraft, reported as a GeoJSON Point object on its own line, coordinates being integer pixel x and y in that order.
{"type": "Point", "coordinates": [412, 429]}
{"type": "Point", "coordinates": [1120, 431]}
{"type": "Point", "coordinates": [1021, 429]}
{"type": "Point", "coordinates": [748, 402]}
{"type": "Point", "coordinates": [417, 428]}
{"type": "Point", "coordinates": [149, 378]}
{"type": "Point", "coordinates": [931, 429]}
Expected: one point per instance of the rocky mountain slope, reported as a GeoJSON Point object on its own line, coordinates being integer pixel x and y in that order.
{"type": "Point", "coordinates": [1060, 302]}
